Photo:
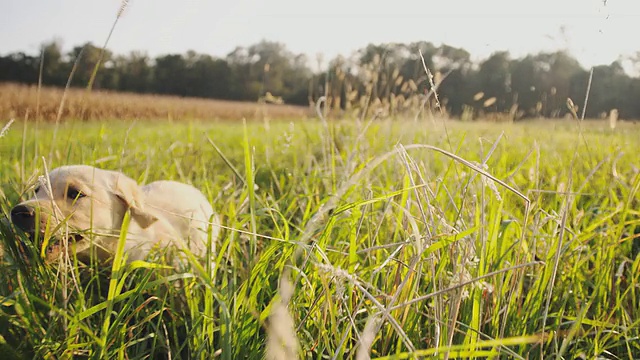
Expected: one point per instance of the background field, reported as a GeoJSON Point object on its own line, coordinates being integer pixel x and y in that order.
{"type": "Point", "coordinates": [21, 101]}
{"type": "Point", "coordinates": [346, 240]}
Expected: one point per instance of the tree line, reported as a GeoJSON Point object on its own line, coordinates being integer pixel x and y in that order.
{"type": "Point", "coordinates": [388, 78]}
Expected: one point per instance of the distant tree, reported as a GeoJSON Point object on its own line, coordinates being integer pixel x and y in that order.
{"type": "Point", "coordinates": [87, 57]}
{"type": "Point", "coordinates": [412, 67]}
{"type": "Point", "coordinates": [268, 67]}
{"type": "Point", "coordinates": [135, 72]}
{"type": "Point", "coordinates": [207, 77]}
{"type": "Point", "coordinates": [269, 64]}
{"type": "Point", "coordinates": [170, 75]}
{"type": "Point", "coordinates": [554, 81]}
{"type": "Point", "coordinates": [340, 86]}
{"type": "Point", "coordinates": [19, 67]}
{"type": "Point", "coordinates": [525, 85]}
{"type": "Point", "coordinates": [244, 84]}
{"type": "Point", "coordinates": [296, 81]}
{"type": "Point", "coordinates": [385, 78]}
{"type": "Point", "coordinates": [455, 90]}
{"type": "Point", "coordinates": [610, 87]}
{"type": "Point", "coordinates": [631, 107]}
{"type": "Point", "coordinates": [381, 65]}
{"type": "Point", "coordinates": [54, 69]}
{"type": "Point", "coordinates": [494, 79]}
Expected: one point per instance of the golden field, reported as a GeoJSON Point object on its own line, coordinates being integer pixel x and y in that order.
{"type": "Point", "coordinates": [19, 101]}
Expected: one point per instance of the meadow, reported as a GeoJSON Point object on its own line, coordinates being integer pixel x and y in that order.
{"type": "Point", "coordinates": [385, 239]}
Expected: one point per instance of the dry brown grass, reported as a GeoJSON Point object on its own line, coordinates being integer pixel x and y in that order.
{"type": "Point", "coordinates": [17, 100]}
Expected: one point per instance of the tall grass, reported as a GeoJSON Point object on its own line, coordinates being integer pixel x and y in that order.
{"type": "Point", "coordinates": [344, 240]}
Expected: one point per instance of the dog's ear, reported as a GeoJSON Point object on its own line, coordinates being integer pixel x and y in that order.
{"type": "Point", "coordinates": [130, 193]}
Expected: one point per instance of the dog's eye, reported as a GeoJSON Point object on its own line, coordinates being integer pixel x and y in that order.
{"type": "Point", "coordinates": [37, 189]}
{"type": "Point", "coordinates": [73, 193]}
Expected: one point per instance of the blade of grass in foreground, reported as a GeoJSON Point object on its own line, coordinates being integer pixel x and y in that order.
{"type": "Point", "coordinates": [118, 262]}
{"type": "Point", "coordinates": [465, 351]}
{"type": "Point", "coordinates": [249, 171]}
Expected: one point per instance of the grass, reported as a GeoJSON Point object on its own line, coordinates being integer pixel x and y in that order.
{"type": "Point", "coordinates": [348, 242]}
{"type": "Point", "coordinates": [18, 101]}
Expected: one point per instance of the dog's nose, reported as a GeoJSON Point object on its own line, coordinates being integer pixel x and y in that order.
{"type": "Point", "coordinates": [24, 217]}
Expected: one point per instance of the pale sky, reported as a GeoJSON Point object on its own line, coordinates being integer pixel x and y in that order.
{"type": "Point", "coordinates": [594, 31]}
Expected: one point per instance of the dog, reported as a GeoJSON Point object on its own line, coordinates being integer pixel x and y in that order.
{"type": "Point", "coordinates": [84, 208]}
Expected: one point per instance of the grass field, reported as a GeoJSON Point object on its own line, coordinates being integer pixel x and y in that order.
{"type": "Point", "coordinates": [383, 240]}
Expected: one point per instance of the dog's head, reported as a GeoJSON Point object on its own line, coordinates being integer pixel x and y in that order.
{"type": "Point", "coordinates": [81, 203]}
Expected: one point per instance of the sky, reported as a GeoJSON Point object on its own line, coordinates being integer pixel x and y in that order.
{"type": "Point", "coordinates": [596, 32]}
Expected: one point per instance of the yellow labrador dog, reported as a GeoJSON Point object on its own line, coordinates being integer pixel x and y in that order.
{"type": "Point", "coordinates": [87, 205]}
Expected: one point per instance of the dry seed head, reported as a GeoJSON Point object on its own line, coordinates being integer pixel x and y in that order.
{"type": "Point", "coordinates": [461, 276]}
{"type": "Point", "coordinates": [123, 7]}
{"type": "Point", "coordinates": [613, 119]}
{"type": "Point", "coordinates": [437, 77]}
{"type": "Point", "coordinates": [478, 96]}
{"type": "Point", "coordinates": [532, 174]}
{"type": "Point", "coordinates": [5, 128]}
{"type": "Point", "coordinates": [490, 101]}
{"type": "Point", "coordinates": [492, 186]}
{"type": "Point", "coordinates": [376, 59]}
{"type": "Point", "coordinates": [573, 108]}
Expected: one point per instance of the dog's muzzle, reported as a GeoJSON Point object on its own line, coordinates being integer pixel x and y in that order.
{"type": "Point", "coordinates": [24, 217]}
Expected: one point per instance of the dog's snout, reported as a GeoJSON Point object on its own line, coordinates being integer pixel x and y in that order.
{"type": "Point", "coordinates": [24, 217]}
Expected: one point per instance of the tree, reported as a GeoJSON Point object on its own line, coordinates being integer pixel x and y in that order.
{"type": "Point", "coordinates": [525, 84]}
{"type": "Point", "coordinates": [454, 91]}
{"type": "Point", "coordinates": [19, 67]}
{"type": "Point", "coordinates": [207, 77]}
{"type": "Point", "coordinates": [494, 79]}
{"type": "Point", "coordinates": [136, 72]}
{"type": "Point", "coordinates": [54, 70]}
{"type": "Point", "coordinates": [386, 78]}
{"type": "Point", "coordinates": [610, 86]}
{"type": "Point", "coordinates": [85, 58]}
{"type": "Point", "coordinates": [268, 67]}
{"type": "Point", "coordinates": [170, 75]}
{"type": "Point", "coordinates": [555, 81]}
